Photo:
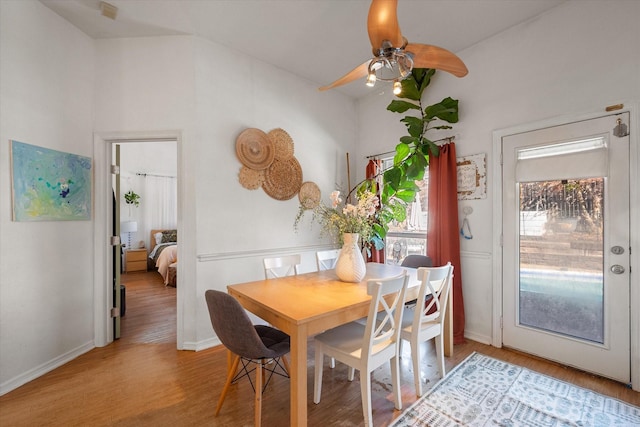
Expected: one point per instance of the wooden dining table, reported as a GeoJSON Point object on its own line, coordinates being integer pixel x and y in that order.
{"type": "Point", "coordinates": [307, 304]}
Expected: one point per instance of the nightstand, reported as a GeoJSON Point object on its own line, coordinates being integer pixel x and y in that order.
{"type": "Point", "coordinates": [135, 260]}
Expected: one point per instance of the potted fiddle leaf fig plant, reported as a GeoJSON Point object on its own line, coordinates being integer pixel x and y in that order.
{"type": "Point", "coordinates": [411, 157]}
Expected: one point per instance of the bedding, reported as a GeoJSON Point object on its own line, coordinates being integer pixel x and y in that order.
{"type": "Point", "coordinates": [167, 257]}
{"type": "Point", "coordinates": [164, 256]}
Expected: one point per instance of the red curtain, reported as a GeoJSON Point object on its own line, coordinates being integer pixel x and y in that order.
{"type": "Point", "coordinates": [443, 240]}
{"type": "Point", "coordinates": [373, 169]}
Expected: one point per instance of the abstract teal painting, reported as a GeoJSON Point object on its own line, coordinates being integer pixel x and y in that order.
{"type": "Point", "coordinates": [49, 185]}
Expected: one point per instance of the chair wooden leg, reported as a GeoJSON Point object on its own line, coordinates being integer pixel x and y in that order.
{"type": "Point", "coordinates": [351, 373]}
{"type": "Point", "coordinates": [440, 350]}
{"type": "Point", "coordinates": [258, 399]}
{"type": "Point", "coordinates": [317, 384]}
{"type": "Point", "coordinates": [230, 374]}
{"type": "Point", "coordinates": [365, 390]}
{"type": "Point", "coordinates": [395, 379]}
{"type": "Point", "coordinates": [415, 358]}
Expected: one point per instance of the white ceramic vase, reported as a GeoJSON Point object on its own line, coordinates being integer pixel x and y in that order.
{"type": "Point", "coordinates": [350, 266]}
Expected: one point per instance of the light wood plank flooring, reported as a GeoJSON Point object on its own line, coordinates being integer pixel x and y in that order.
{"type": "Point", "coordinates": [142, 380]}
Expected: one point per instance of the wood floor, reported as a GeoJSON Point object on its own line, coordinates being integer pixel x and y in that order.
{"type": "Point", "coordinates": [142, 380]}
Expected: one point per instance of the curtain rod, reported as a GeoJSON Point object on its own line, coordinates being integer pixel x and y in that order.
{"type": "Point", "coordinates": [448, 139]}
{"type": "Point", "coordinates": [151, 174]}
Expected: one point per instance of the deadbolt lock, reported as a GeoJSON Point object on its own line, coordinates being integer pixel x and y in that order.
{"type": "Point", "coordinates": [617, 250]}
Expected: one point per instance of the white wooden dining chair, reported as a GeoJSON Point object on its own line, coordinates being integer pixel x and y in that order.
{"type": "Point", "coordinates": [366, 347]}
{"type": "Point", "coordinates": [281, 266]}
{"type": "Point", "coordinates": [426, 321]}
{"type": "Point", "coordinates": [326, 260]}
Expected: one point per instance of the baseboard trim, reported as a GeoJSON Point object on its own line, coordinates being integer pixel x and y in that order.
{"type": "Point", "coordinates": [483, 339]}
{"type": "Point", "coordinates": [49, 366]}
{"type": "Point", "coordinates": [202, 345]}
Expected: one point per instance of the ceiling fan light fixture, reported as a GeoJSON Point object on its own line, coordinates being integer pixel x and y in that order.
{"type": "Point", "coordinates": [393, 56]}
{"type": "Point", "coordinates": [371, 79]}
{"type": "Point", "coordinates": [390, 64]}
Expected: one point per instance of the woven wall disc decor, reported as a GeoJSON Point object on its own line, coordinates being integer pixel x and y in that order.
{"type": "Point", "coordinates": [282, 142]}
{"type": "Point", "coordinates": [282, 180]}
{"type": "Point", "coordinates": [254, 149]}
{"type": "Point", "coordinates": [309, 195]}
{"type": "Point", "coordinates": [251, 179]}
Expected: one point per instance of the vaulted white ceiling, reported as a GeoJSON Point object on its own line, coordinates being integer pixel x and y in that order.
{"type": "Point", "coordinates": [318, 40]}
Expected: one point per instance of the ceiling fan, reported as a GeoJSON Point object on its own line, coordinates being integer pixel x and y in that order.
{"type": "Point", "coordinates": [393, 56]}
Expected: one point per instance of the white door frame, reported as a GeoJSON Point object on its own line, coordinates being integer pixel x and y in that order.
{"type": "Point", "coordinates": [103, 276]}
{"type": "Point", "coordinates": [634, 175]}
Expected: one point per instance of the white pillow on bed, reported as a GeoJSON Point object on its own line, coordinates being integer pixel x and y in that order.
{"type": "Point", "coordinates": [158, 237]}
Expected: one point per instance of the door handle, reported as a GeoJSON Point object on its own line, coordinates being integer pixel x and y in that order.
{"type": "Point", "coordinates": [617, 269]}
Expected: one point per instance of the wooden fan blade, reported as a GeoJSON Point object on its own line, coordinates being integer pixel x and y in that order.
{"type": "Point", "coordinates": [382, 23]}
{"type": "Point", "coordinates": [360, 71]}
{"type": "Point", "coordinates": [427, 56]}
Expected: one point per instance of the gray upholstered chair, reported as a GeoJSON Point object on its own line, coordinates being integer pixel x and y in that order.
{"type": "Point", "coordinates": [416, 261]}
{"type": "Point", "coordinates": [251, 344]}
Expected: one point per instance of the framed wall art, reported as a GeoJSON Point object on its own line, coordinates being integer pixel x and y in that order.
{"type": "Point", "coordinates": [472, 177]}
{"type": "Point", "coordinates": [49, 185]}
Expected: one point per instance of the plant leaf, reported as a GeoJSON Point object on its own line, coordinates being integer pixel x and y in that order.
{"type": "Point", "coordinates": [402, 151]}
{"type": "Point", "coordinates": [446, 110]}
{"type": "Point", "coordinates": [392, 177]}
{"type": "Point", "coordinates": [417, 167]}
{"type": "Point", "coordinates": [414, 125]}
{"type": "Point", "coordinates": [423, 77]}
{"type": "Point", "coordinates": [409, 140]}
{"type": "Point", "coordinates": [402, 106]}
{"type": "Point", "coordinates": [407, 196]}
{"type": "Point", "coordinates": [410, 89]}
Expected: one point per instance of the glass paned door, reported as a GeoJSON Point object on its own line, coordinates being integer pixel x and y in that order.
{"type": "Point", "coordinates": [566, 281]}
{"type": "Point", "coordinates": [561, 257]}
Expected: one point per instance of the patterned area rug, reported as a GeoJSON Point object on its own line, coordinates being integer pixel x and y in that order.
{"type": "Point", "coordinates": [482, 391]}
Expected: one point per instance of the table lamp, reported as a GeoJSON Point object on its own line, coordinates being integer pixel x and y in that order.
{"type": "Point", "coordinates": [129, 227]}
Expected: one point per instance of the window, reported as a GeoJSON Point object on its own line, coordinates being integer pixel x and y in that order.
{"type": "Point", "coordinates": [410, 236]}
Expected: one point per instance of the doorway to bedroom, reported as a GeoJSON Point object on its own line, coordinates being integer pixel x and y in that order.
{"type": "Point", "coordinates": [146, 211]}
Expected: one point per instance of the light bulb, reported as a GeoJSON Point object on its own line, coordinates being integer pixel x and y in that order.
{"type": "Point", "coordinates": [371, 79]}
{"type": "Point", "coordinates": [397, 87]}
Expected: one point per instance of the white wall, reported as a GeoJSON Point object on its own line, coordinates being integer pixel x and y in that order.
{"type": "Point", "coordinates": [580, 57]}
{"type": "Point", "coordinates": [179, 83]}
{"type": "Point", "coordinates": [46, 268]}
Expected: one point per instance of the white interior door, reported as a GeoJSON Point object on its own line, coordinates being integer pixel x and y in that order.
{"type": "Point", "coordinates": [566, 244]}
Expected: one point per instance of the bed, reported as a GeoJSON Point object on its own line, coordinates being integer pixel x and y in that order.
{"type": "Point", "coordinates": [164, 255]}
